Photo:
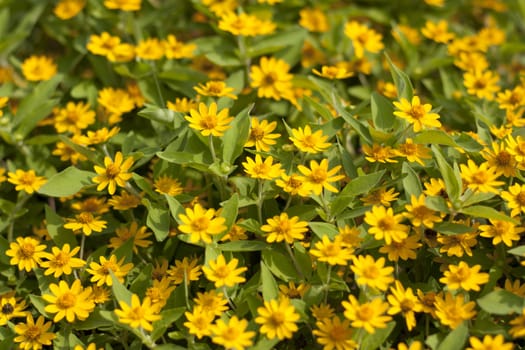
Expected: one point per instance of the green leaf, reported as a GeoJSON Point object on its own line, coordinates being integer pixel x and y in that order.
{"type": "Point", "coordinates": [273, 43]}
{"type": "Point", "coordinates": [175, 208]}
{"type": "Point", "coordinates": [453, 184]}
{"type": "Point", "coordinates": [55, 228]}
{"type": "Point", "coordinates": [501, 302]}
{"type": "Point", "coordinates": [456, 339]}
{"type": "Point", "coordinates": [401, 80]}
{"type": "Point", "coordinates": [67, 182]}
{"type": "Point", "coordinates": [142, 281]}
{"type": "Point", "coordinates": [451, 228]}
{"type": "Point", "coordinates": [161, 115]}
{"type": "Point", "coordinates": [270, 289]}
{"type": "Point", "coordinates": [323, 229]}
{"type": "Point", "coordinates": [359, 185]}
{"type": "Point", "coordinates": [382, 111]}
{"type": "Point", "coordinates": [279, 264]}
{"type": "Point", "coordinates": [374, 341]}
{"type": "Point", "coordinates": [94, 321]}
{"type": "Point", "coordinates": [119, 291]}
{"type": "Point", "coordinates": [482, 211]}
{"type": "Point", "coordinates": [229, 212]}
{"type": "Point", "coordinates": [243, 246]}
{"type": "Point", "coordinates": [349, 118]}
{"type": "Point", "coordinates": [520, 250]}
{"type": "Point", "coordinates": [475, 197]}
{"type": "Point", "coordinates": [265, 344]}
{"type": "Point", "coordinates": [158, 219]}
{"type": "Point", "coordinates": [38, 303]}
{"type": "Point", "coordinates": [435, 137]}
{"type": "Point", "coordinates": [168, 317]}
{"type": "Point", "coordinates": [236, 136]}
{"type": "Point", "coordinates": [4, 245]}
{"type": "Point", "coordinates": [411, 182]}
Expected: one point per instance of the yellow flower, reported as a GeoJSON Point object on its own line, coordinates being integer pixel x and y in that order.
{"type": "Point", "coordinates": [386, 89]}
{"type": "Point", "coordinates": [515, 287]}
{"type": "Point", "coordinates": [11, 308]}
{"type": "Point", "coordinates": [182, 105]}
{"type": "Point", "coordinates": [38, 68]}
{"type": "Point", "coordinates": [282, 228]}
{"type": "Point", "coordinates": [385, 225]}
{"type": "Point", "coordinates": [33, 335]}
{"type": "Point", "coordinates": [333, 72]}
{"type": "Point", "coordinates": [516, 147]}
{"type": "Point", "coordinates": [369, 316]}
{"type": "Point", "coordinates": [259, 169]}
{"type": "Point", "coordinates": [351, 236]}
{"type": "Point", "coordinates": [137, 235]}
{"type": "Point", "coordinates": [102, 44]}
{"type": "Point", "coordinates": [452, 310]}
{"type": "Point", "coordinates": [294, 184]}
{"type": "Point", "coordinates": [321, 312]}
{"type": "Point", "coordinates": [290, 290]}
{"type": "Point", "coordinates": [232, 335]}
{"type": "Point", "coordinates": [124, 5]}
{"type": "Point", "coordinates": [419, 214]}
{"type": "Point", "coordinates": [96, 137]}
{"type": "Point", "coordinates": [457, 245]}
{"type": "Point", "coordinates": [309, 142]}
{"type": "Point", "coordinates": [216, 89]}
{"type": "Point", "coordinates": [99, 295]}
{"type": "Point", "coordinates": [518, 326]}
{"type": "Point", "coordinates": [86, 222]}
{"type": "Point", "coordinates": [405, 302]}
{"type": "Point", "coordinates": [73, 118]}
{"type": "Point", "coordinates": [334, 334]}
{"type": "Point", "coordinates": [150, 49]}
{"type": "Point", "coordinates": [333, 252]}
{"type": "Point", "coordinates": [174, 49]}
{"type": "Point", "coordinates": [199, 322]}
{"type": "Point", "coordinates": [211, 302]}
{"type": "Point", "coordinates": [61, 261]}
{"type": "Point", "coordinates": [26, 181]}
{"type": "Point", "coordinates": [224, 274]}
{"type": "Point", "coordinates": [201, 224]}
{"type": "Point", "coordinates": [417, 114]}
{"type": "Point", "coordinates": [96, 205]}
{"type": "Point", "coordinates": [363, 38]}
{"type": "Point", "coordinates": [207, 121]}
{"type": "Point", "coordinates": [501, 231]}
{"type": "Point", "coordinates": [464, 277]}
{"type": "Point", "coordinates": [403, 32]}
{"type": "Point", "coordinates": [314, 20]}
{"type": "Point", "coordinates": [221, 7]}
{"type": "Point", "coordinates": [434, 187]}
{"type": "Point", "coordinates": [482, 84]}
{"type": "Point", "coordinates": [116, 102]}
{"type": "Point", "coordinates": [382, 196]}
{"type": "Point", "coordinates": [66, 9]}
{"type": "Point", "coordinates": [471, 61]}
{"type": "Point", "coordinates": [404, 249]}
{"type": "Point", "coordinates": [71, 303]}
{"type": "Point", "coordinates": [414, 152]}
{"type": "Point", "coordinates": [480, 178]}
{"type": "Point", "coordinates": [311, 55]}
{"type": "Point", "coordinates": [379, 153]}
{"type": "Point", "coordinates": [500, 159]}
{"type": "Point", "coordinates": [101, 274]}
{"type": "Point", "coordinates": [125, 201]}
{"type": "Point", "coordinates": [319, 177]}
{"type": "Point", "coordinates": [185, 269]}
{"type": "Point", "coordinates": [244, 24]}
{"type": "Point", "coordinates": [122, 52]}
{"type": "Point", "coordinates": [168, 185]}
{"type": "Point", "coordinates": [277, 319]}
{"type": "Point", "coordinates": [271, 78]}
{"type": "Point", "coordinates": [261, 135]}
{"type": "Point", "coordinates": [372, 273]}
{"type": "Point", "coordinates": [113, 173]}
{"type": "Point", "coordinates": [511, 99]}
{"type": "Point", "coordinates": [515, 198]}
{"type": "Point", "coordinates": [137, 315]}
{"type": "Point", "coordinates": [26, 252]}
{"type": "Point", "coordinates": [489, 343]}
{"type": "Point", "coordinates": [437, 31]}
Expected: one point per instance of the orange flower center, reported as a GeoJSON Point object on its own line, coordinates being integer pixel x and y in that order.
{"type": "Point", "coordinates": [417, 112]}
{"type": "Point", "coordinates": [66, 300]}
{"type": "Point", "coordinates": [222, 271]}
{"type": "Point", "coordinates": [230, 334]}
{"type": "Point", "coordinates": [208, 122]}
{"type": "Point", "coordinates": [386, 223]}
{"type": "Point", "coordinates": [257, 134]}
{"type": "Point", "coordinates": [503, 158]}
{"type": "Point", "coordinates": [371, 272]}
{"type": "Point", "coordinates": [27, 250]}
{"type": "Point", "coordinates": [200, 224]}
{"type": "Point", "coordinates": [365, 313]}
{"type": "Point", "coordinates": [338, 334]}
{"type": "Point", "coordinates": [61, 259]}
{"type": "Point", "coordinates": [520, 198]}
{"type": "Point", "coordinates": [7, 309]}
{"type": "Point", "coordinates": [318, 176]}
{"type": "Point", "coordinates": [406, 305]}
{"type": "Point", "coordinates": [112, 171]}
{"type": "Point", "coordinates": [32, 333]}
{"type": "Point", "coordinates": [85, 218]}
{"type": "Point", "coordinates": [269, 79]}
{"type": "Point", "coordinates": [136, 313]}
{"type": "Point", "coordinates": [276, 319]}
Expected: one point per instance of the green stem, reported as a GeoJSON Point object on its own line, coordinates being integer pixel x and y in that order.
{"type": "Point", "coordinates": [186, 291]}
{"type": "Point", "coordinates": [241, 42]}
{"type": "Point", "coordinates": [260, 199]}
{"type": "Point", "coordinates": [157, 84]}
{"type": "Point", "coordinates": [294, 261]}
{"type": "Point", "coordinates": [327, 285]}
{"type": "Point", "coordinates": [225, 291]}
{"type": "Point", "coordinates": [326, 208]}
{"type": "Point", "coordinates": [82, 244]}
{"type": "Point", "coordinates": [212, 149]}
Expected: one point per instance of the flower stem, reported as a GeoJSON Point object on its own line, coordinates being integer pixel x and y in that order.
{"type": "Point", "coordinates": [212, 149]}
{"type": "Point", "coordinates": [260, 200]}
{"type": "Point", "coordinates": [82, 243]}
{"type": "Point", "coordinates": [225, 291]}
{"type": "Point", "coordinates": [294, 260]}
{"type": "Point", "coordinates": [327, 285]}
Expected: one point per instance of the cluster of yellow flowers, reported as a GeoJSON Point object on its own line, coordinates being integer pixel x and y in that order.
{"type": "Point", "coordinates": [272, 174]}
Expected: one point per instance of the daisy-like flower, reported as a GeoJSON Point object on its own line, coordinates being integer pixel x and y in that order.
{"type": "Point", "coordinates": [116, 102]}
{"type": "Point", "coordinates": [159, 293]}
{"type": "Point", "coordinates": [500, 159]}
{"type": "Point", "coordinates": [319, 177]}
{"type": "Point", "coordinates": [294, 184]}
{"type": "Point", "coordinates": [261, 135]}
{"type": "Point", "coordinates": [372, 273]}
{"type": "Point", "coordinates": [379, 153]}
{"type": "Point", "coordinates": [511, 99]}
{"type": "Point", "coordinates": [201, 224]}
{"type": "Point", "coordinates": [489, 342]}
{"type": "Point", "coordinates": [72, 303]}
{"type": "Point", "coordinates": [482, 84]}
{"type": "Point", "coordinates": [464, 277]}
{"type": "Point", "coordinates": [404, 250]}
{"type": "Point", "coordinates": [515, 287]}
{"type": "Point", "coordinates": [39, 68]}
{"type": "Point", "coordinates": [123, 5]}
{"type": "Point", "coordinates": [33, 335]}
{"type": "Point", "coordinates": [10, 308]}
{"type": "Point", "coordinates": [457, 245]}
{"type": "Point", "coordinates": [277, 319]}
{"type": "Point", "coordinates": [385, 225]}
{"type": "Point", "coordinates": [99, 295]}
{"type": "Point", "coordinates": [283, 228]}
{"type": "Point", "coordinates": [314, 20]}
{"type": "Point", "coordinates": [404, 301]}
{"type": "Point", "coordinates": [381, 196]}
{"type": "Point", "coordinates": [26, 181]}
{"type": "Point", "coordinates": [414, 152]}
{"type": "Point", "coordinates": [26, 252]}
{"type": "Point", "coordinates": [137, 315]}
{"type": "Point", "coordinates": [73, 118]}
{"type": "Point", "coordinates": [309, 142]}
{"type": "Point", "coordinates": [182, 105]}
{"type": "Point", "coordinates": [333, 72]}
{"type": "Point", "coordinates": [96, 137]}
{"type": "Point", "coordinates": [67, 9]}
{"type": "Point", "coordinates": [244, 24]}
{"type": "Point", "coordinates": [150, 49]}
{"type": "Point", "coordinates": [369, 316]}
{"type": "Point", "coordinates": [176, 49]}
{"type": "Point", "coordinates": [208, 121]}
{"type": "Point", "coordinates": [102, 44]}
{"type": "Point", "coordinates": [518, 326]}
{"type": "Point", "coordinates": [516, 147]}
{"type": "Point", "coordinates": [437, 31]}
{"type": "Point", "coordinates": [363, 38]}
{"type": "Point", "coordinates": [211, 302]}
{"type": "Point", "coordinates": [133, 232]}
{"type": "Point", "coordinates": [453, 310]}
{"type": "Point", "coordinates": [259, 169]}
{"type": "Point", "coordinates": [332, 333]}
{"type": "Point", "coordinates": [480, 178]}
{"type": "Point", "coordinates": [332, 252]}
{"type": "Point", "coordinates": [100, 271]}
{"type": "Point", "coordinates": [321, 312]}
{"type": "Point", "coordinates": [515, 199]}
{"type": "Point", "coordinates": [61, 261]}
{"type": "Point", "coordinates": [271, 78]}
{"type": "Point", "coordinates": [185, 269]}
{"type": "Point", "coordinates": [233, 334]}
{"type": "Point", "coordinates": [215, 88]}
{"type": "Point", "coordinates": [291, 290]}
{"type": "Point", "coordinates": [417, 114]}
{"type": "Point", "coordinates": [125, 201]}
{"type": "Point", "coordinates": [86, 222]}
{"type": "Point", "coordinates": [91, 204]}
{"type": "Point", "coordinates": [419, 214]}
{"type": "Point", "coordinates": [224, 274]}
{"type": "Point", "coordinates": [199, 322]}
{"type": "Point", "coordinates": [114, 173]}
{"type": "Point", "coordinates": [501, 231]}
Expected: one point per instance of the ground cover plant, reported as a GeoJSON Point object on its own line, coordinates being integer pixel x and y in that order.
{"type": "Point", "coordinates": [262, 174]}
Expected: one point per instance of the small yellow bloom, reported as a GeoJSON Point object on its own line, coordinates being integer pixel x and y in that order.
{"type": "Point", "coordinates": [259, 169]}
{"type": "Point", "coordinates": [261, 135]}
{"type": "Point", "coordinates": [453, 310]}
{"type": "Point", "coordinates": [277, 319]}
{"type": "Point", "coordinates": [150, 49]}
{"type": "Point", "coordinates": [67, 9]}
{"type": "Point", "coordinates": [124, 5]}
{"type": "Point", "coordinates": [101, 273]}
{"type": "Point", "coordinates": [113, 173]}
{"type": "Point", "coordinates": [201, 224]}
{"type": "Point", "coordinates": [38, 68]}
{"type": "Point", "coordinates": [71, 303]}
{"type": "Point", "coordinates": [464, 277]}
{"type": "Point", "coordinates": [224, 274]}
{"type": "Point", "coordinates": [333, 72]}
{"type": "Point", "coordinates": [282, 228]}
{"type": "Point", "coordinates": [216, 89]}
{"type": "Point", "coordinates": [309, 142]}
{"type": "Point", "coordinates": [417, 114]}
{"type": "Point", "coordinates": [369, 315]}
{"type": "Point", "coordinates": [363, 38]}
{"type": "Point", "coordinates": [26, 181]}
{"type": "Point", "coordinates": [208, 121]}
{"type": "Point", "coordinates": [61, 261]}
{"type": "Point", "coordinates": [233, 334]}
{"type": "Point", "coordinates": [271, 78]}
{"type": "Point", "coordinates": [26, 252]}
{"type": "Point", "coordinates": [372, 273]}
{"type": "Point", "coordinates": [86, 222]}
{"type": "Point", "coordinates": [137, 315]}
{"type": "Point", "coordinates": [314, 20]}
{"type": "Point", "coordinates": [319, 177]}
{"type": "Point", "coordinates": [33, 335]}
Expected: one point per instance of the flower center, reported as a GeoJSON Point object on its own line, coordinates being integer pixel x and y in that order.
{"type": "Point", "coordinates": [503, 159]}
{"type": "Point", "coordinates": [371, 272]}
{"type": "Point", "coordinates": [27, 250]}
{"type": "Point", "coordinates": [32, 333]}
{"type": "Point", "coordinates": [520, 198]}
{"type": "Point", "coordinates": [85, 218]}
{"type": "Point", "coordinates": [331, 250]}
{"type": "Point", "coordinates": [257, 134]}
{"type": "Point", "coordinates": [27, 179]}
{"type": "Point", "coordinates": [406, 305]}
{"type": "Point", "coordinates": [230, 334]}
{"type": "Point", "coordinates": [112, 171]}
{"type": "Point", "coordinates": [386, 223]}
{"type": "Point", "coordinates": [222, 271]}
{"type": "Point", "coordinates": [209, 122]}
{"type": "Point", "coordinates": [200, 224]}
{"type": "Point", "coordinates": [136, 313]}
{"type": "Point", "coordinates": [417, 112]}
{"type": "Point", "coordinates": [276, 319]}
{"type": "Point", "coordinates": [338, 334]}
{"type": "Point", "coordinates": [269, 79]}
{"type": "Point", "coordinates": [61, 259]}
{"type": "Point", "coordinates": [318, 176]}
{"type": "Point", "coordinates": [365, 313]}
{"type": "Point", "coordinates": [479, 178]}
{"type": "Point", "coordinates": [7, 309]}
{"type": "Point", "coordinates": [66, 300]}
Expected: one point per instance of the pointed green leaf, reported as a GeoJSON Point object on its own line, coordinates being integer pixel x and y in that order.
{"type": "Point", "coordinates": [382, 111]}
{"type": "Point", "coordinates": [482, 211]}
{"type": "Point", "coordinates": [456, 339]}
{"type": "Point", "coordinates": [236, 136]}
{"type": "Point", "coordinates": [270, 290]}
{"type": "Point", "coordinates": [67, 182]}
